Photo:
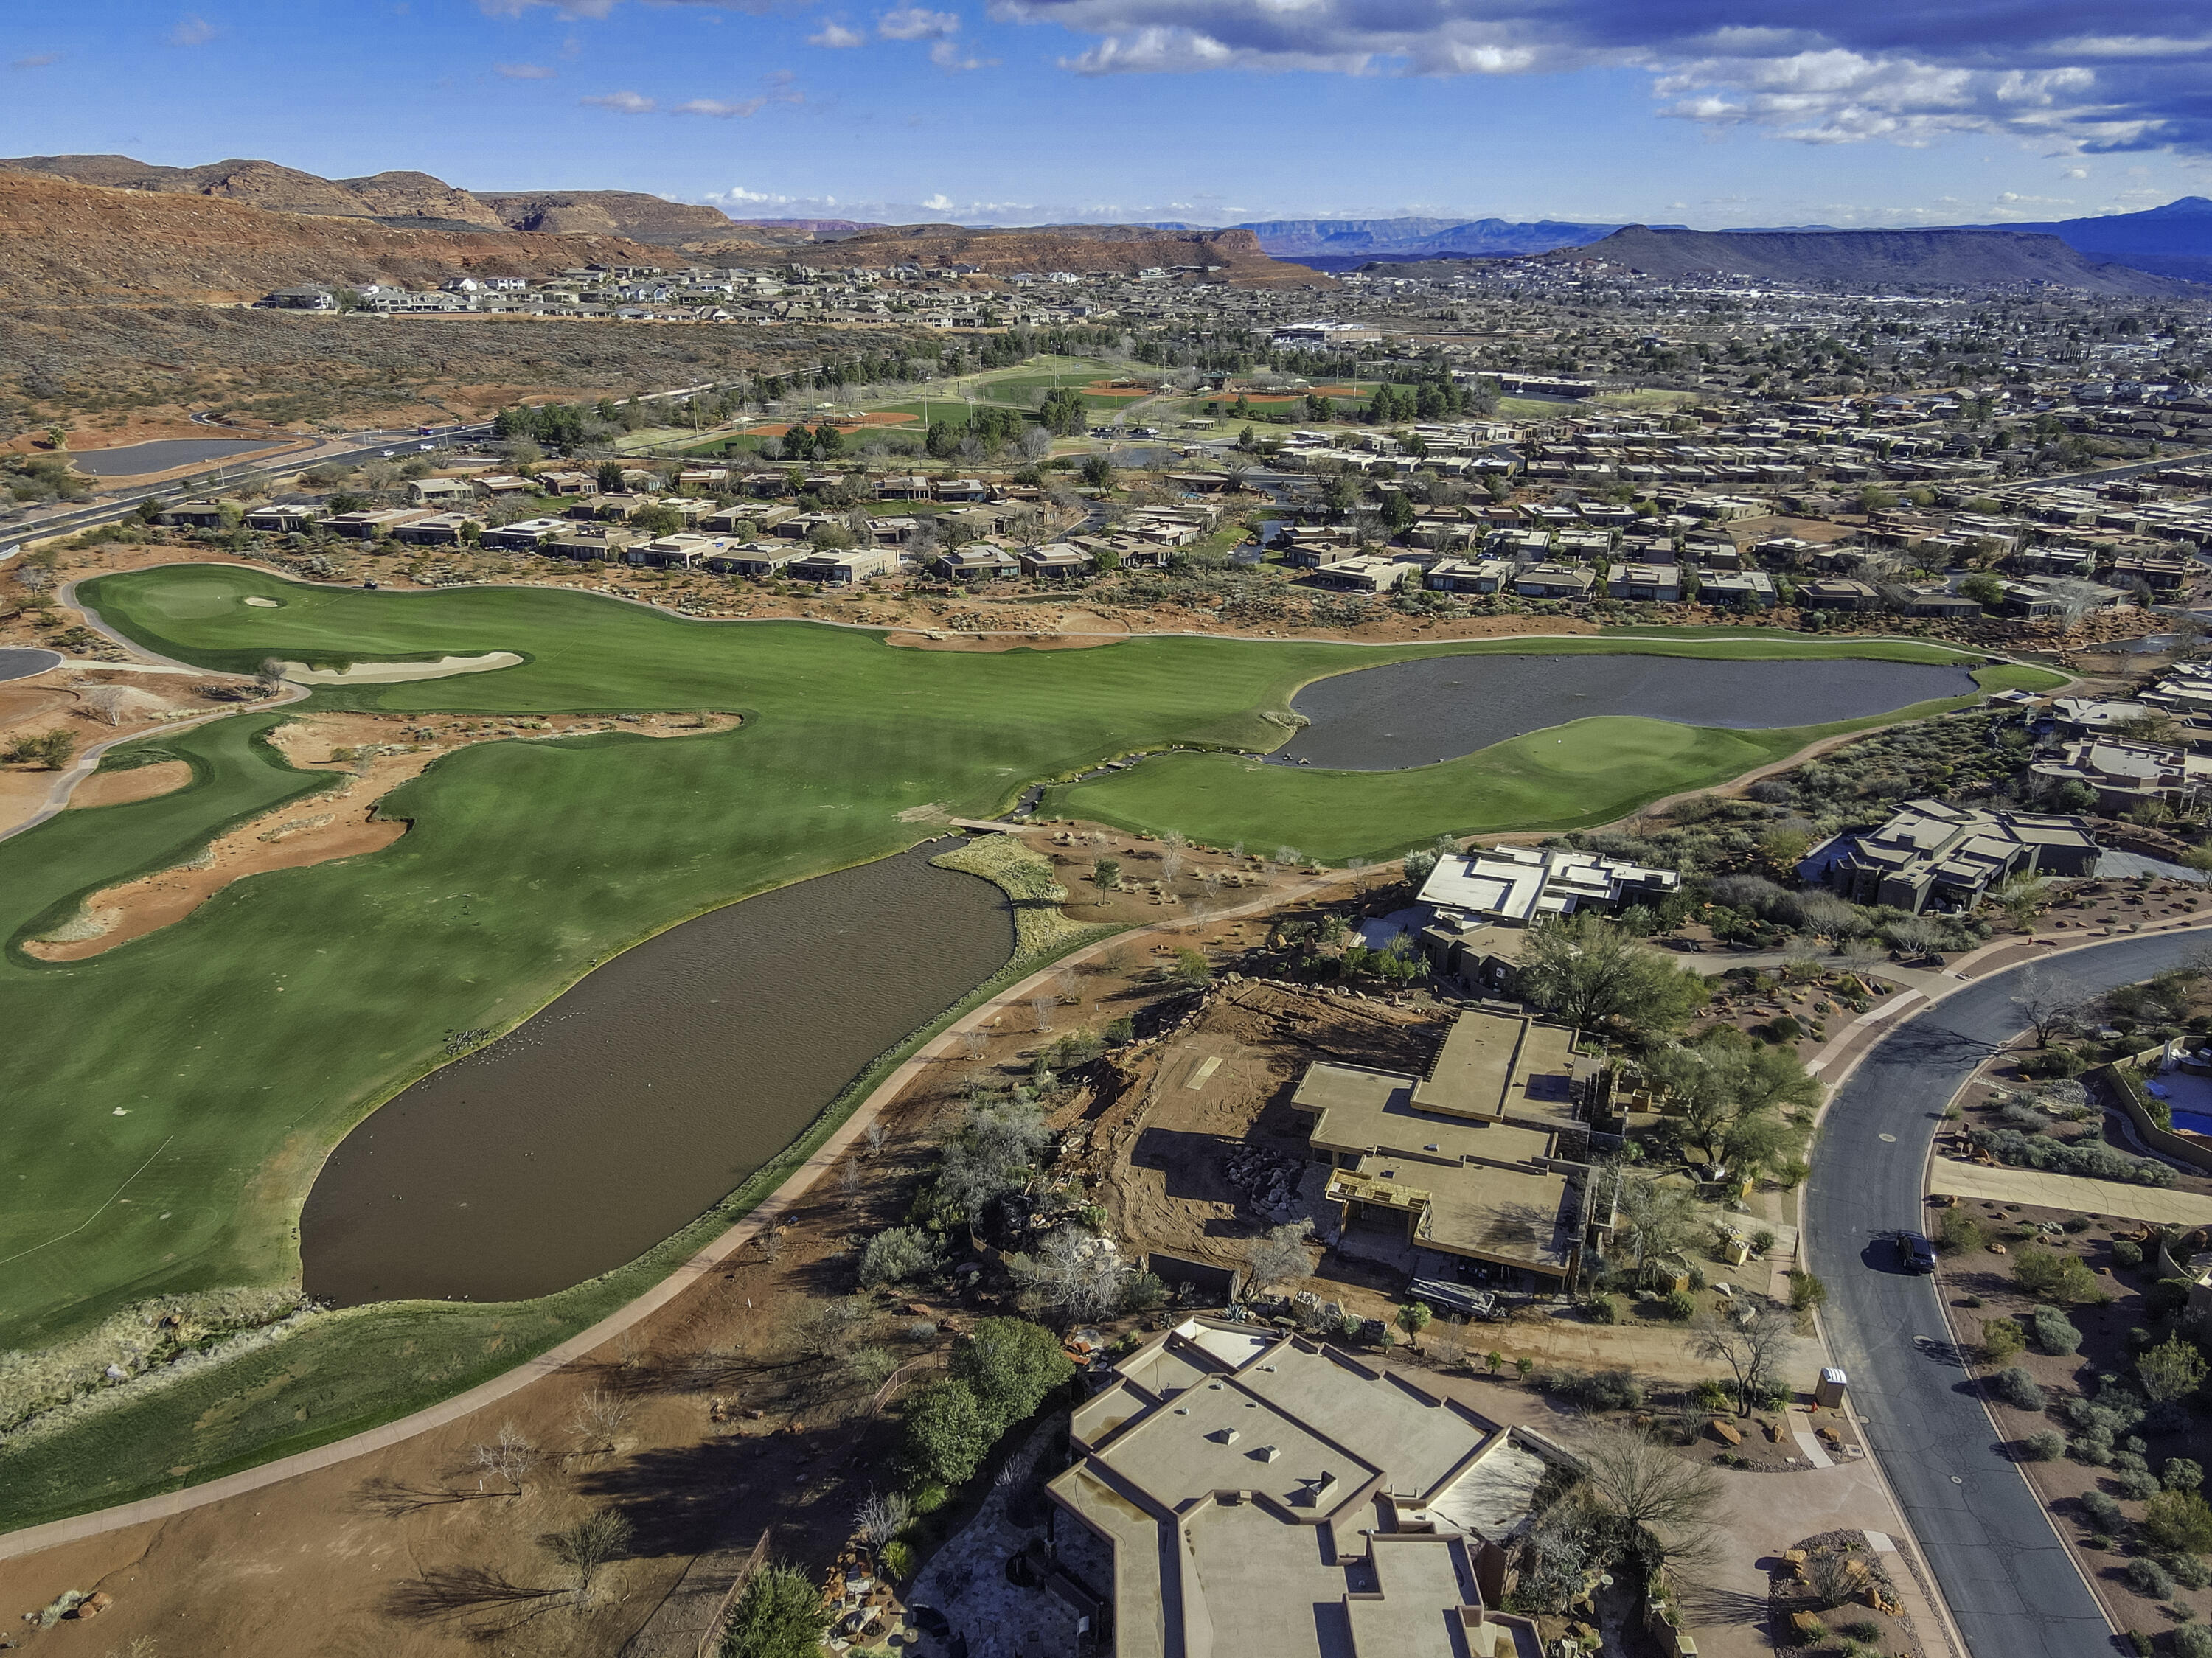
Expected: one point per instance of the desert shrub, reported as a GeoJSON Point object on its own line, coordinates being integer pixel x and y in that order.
{"type": "Point", "coordinates": [2136, 1484]}
{"type": "Point", "coordinates": [896, 1254]}
{"type": "Point", "coordinates": [1829, 1576]}
{"type": "Point", "coordinates": [1958, 1232]}
{"type": "Point", "coordinates": [2103, 1511]}
{"type": "Point", "coordinates": [2052, 1276]}
{"type": "Point", "coordinates": [1142, 1291]}
{"type": "Point", "coordinates": [2003, 1336]}
{"type": "Point", "coordinates": [2193, 1640]}
{"type": "Point", "coordinates": [2024, 1117]}
{"type": "Point", "coordinates": [2017, 1388]}
{"type": "Point", "coordinates": [2179, 1522]}
{"type": "Point", "coordinates": [2053, 1332]}
{"type": "Point", "coordinates": [2191, 1571]}
{"type": "Point", "coordinates": [2091, 1158]}
{"type": "Point", "coordinates": [1602, 1309]}
{"type": "Point", "coordinates": [1594, 1390]}
{"type": "Point", "coordinates": [2044, 1447]}
{"type": "Point", "coordinates": [1711, 1395]}
{"type": "Point", "coordinates": [2147, 1577]}
{"type": "Point", "coordinates": [1679, 1305]}
{"type": "Point", "coordinates": [2182, 1474]}
{"type": "Point", "coordinates": [2126, 1252]}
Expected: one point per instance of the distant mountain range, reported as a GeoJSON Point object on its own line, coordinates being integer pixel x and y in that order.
{"type": "Point", "coordinates": [2164, 246]}
{"type": "Point", "coordinates": [1967, 256]}
{"type": "Point", "coordinates": [2173, 240]}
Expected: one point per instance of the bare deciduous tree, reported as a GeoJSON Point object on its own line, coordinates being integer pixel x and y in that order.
{"type": "Point", "coordinates": [510, 1456]}
{"type": "Point", "coordinates": [1752, 1347]}
{"type": "Point", "coordinates": [876, 1135]}
{"type": "Point", "coordinates": [108, 701]}
{"type": "Point", "coordinates": [1279, 1256]}
{"type": "Point", "coordinates": [1675, 1501]}
{"type": "Point", "coordinates": [601, 1536]}
{"type": "Point", "coordinates": [2051, 1006]}
{"type": "Point", "coordinates": [601, 1415]}
{"type": "Point", "coordinates": [1076, 1274]}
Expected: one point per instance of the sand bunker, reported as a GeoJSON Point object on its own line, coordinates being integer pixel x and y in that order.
{"type": "Point", "coordinates": [394, 674]}
{"type": "Point", "coordinates": [379, 751]}
{"type": "Point", "coordinates": [116, 788]}
{"type": "Point", "coordinates": [263, 604]}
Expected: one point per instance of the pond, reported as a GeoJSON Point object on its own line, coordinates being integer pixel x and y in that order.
{"type": "Point", "coordinates": [1416, 714]}
{"type": "Point", "coordinates": [633, 1103]}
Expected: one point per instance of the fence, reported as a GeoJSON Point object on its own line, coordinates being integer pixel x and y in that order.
{"type": "Point", "coordinates": [711, 1637]}
{"type": "Point", "coordinates": [2124, 1080]}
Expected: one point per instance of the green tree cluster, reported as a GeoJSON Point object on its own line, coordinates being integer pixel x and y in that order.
{"type": "Point", "coordinates": [1001, 1372]}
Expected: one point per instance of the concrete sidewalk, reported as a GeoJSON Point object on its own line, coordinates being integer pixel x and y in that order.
{"type": "Point", "coordinates": [2070, 1192]}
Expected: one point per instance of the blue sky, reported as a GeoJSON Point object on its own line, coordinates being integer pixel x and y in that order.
{"type": "Point", "coordinates": [1708, 113]}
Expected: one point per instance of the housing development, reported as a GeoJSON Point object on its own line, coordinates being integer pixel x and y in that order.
{"type": "Point", "coordinates": [750, 937]}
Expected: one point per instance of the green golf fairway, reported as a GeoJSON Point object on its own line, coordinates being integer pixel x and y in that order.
{"type": "Point", "coordinates": [171, 1100]}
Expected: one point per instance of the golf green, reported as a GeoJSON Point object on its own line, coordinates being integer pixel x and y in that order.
{"type": "Point", "coordinates": [171, 1100]}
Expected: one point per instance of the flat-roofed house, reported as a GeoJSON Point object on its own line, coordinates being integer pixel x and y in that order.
{"type": "Point", "coordinates": [1055, 558]}
{"type": "Point", "coordinates": [978, 560]}
{"type": "Point", "coordinates": [523, 535]}
{"type": "Point", "coordinates": [435, 529]}
{"type": "Point", "coordinates": [286, 517]}
{"type": "Point", "coordinates": [1659, 584]}
{"type": "Point", "coordinates": [1364, 573]}
{"type": "Point", "coordinates": [199, 515]}
{"type": "Point", "coordinates": [1554, 581]}
{"type": "Point", "coordinates": [1466, 1159]}
{"type": "Point", "coordinates": [587, 543]}
{"type": "Point", "coordinates": [751, 558]}
{"type": "Point", "coordinates": [844, 568]}
{"type": "Point", "coordinates": [367, 525]}
{"type": "Point", "coordinates": [1239, 1491]}
{"type": "Point", "coordinates": [680, 551]}
{"type": "Point", "coordinates": [1482, 901]}
{"type": "Point", "coordinates": [1948, 857]}
{"type": "Point", "coordinates": [441, 492]}
{"type": "Point", "coordinates": [1457, 576]}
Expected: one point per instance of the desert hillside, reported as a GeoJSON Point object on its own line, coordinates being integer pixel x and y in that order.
{"type": "Point", "coordinates": [1231, 256]}
{"type": "Point", "coordinates": [61, 241]}
{"type": "Point", "coordinates": [608, 213]}
{"type": "Point", "coordinates": [280, 189]}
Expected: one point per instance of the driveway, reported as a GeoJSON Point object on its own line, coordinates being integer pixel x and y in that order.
{"type": "Point", "coordinates": [2083, 1196]}
{"type": "Point", "coordinates": [2011, 1585]}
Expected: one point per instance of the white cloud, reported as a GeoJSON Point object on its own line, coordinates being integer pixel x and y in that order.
{"type": "Point", "coordinates": [523, 72]}
{"type": "Point", "coordinates": [940, 202]}
{"type": "Point", "coordinates": [624, 103]}
{"type": "Point", "coordinates": [947, 55]}
{"type": "Point", "coordinates": [37, 60]}
{"type": "Point", "coordinates": [192, 31]}
{"type": "Point", "coordinates": [917, 23]}
{"type": "Point", "coordinates": [1898, 73]}
{"type": "Point", "coordinates": [718, 109]}
{"type": "Point", "coordinates": [835, 36]}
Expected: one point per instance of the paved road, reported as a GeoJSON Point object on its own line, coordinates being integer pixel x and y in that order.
{"type": "Point", "coordinates": [2013, 1589]}
{"type": "Point", "coordinates": [162, 454]}
{"type": "Point", "coordinates": [109, 507]}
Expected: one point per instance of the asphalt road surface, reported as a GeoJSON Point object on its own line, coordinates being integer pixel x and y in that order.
{"type": "Point", "coordinates": [2011, 1585]}
{"type": "Point", "coordinates": [163, 453]}
{"type": "Point", "coordinates": [20, 662]}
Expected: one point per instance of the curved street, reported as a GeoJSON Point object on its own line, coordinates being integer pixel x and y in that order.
{"type": "Point", "coordinates": [2009, 1581]}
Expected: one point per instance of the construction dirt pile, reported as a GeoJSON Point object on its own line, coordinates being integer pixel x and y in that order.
{"type": "Point", "coordinates": [1189, 1139]}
